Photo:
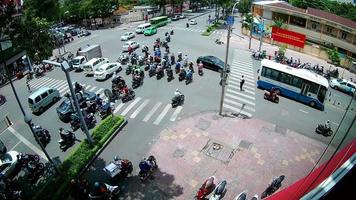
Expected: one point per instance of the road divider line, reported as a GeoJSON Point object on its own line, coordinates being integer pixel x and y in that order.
{"type": "Point", "coordinates": [134, 114]}
{"type": "Point", "coordinates": [163, 113]}
{"type": "Point", "coordinates": [303, 111]}
{"type": "Point", "coordinates": [240, 99]}
{"type": "Point", "coordinates": [152, 111]}
{"type": "Point", "coordinates": [176, 113]}
{"type": "Point", "coordinates": [131, 106]}
{"type": "Point", "coordinates": [119, 107]}
{"type": "Point", "coordinates": [28, 143]}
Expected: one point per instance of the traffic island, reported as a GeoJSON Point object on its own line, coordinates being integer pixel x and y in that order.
{"type": "Point", "coordinates": [247, 153]}
{"type": "Point", "coordinates": [57, 186]}
{"type": "Point", "coordinates": [211, 28]}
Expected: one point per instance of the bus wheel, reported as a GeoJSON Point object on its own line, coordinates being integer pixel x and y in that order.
{"type": "Point", "coordinates": [312, 104]}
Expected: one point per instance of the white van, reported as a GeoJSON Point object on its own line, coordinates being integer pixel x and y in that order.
{"type": "Point", "coordinates": [141, 28]}
{"type": "Point", "coordinates": [40, 99]}
{"type": "Point", "coordinates": [93, 64]}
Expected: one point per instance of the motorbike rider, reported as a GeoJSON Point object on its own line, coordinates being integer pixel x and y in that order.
{"type": "Point", "coordinates": [98, 100]}
{"type": "Point", "coordinates": [65, 135]}
{"type": "Point", "coordinates": [177, 95]}
{"type": "Point", "coordinates": [179, 57]}
{"type": "Point", "coordinates": [77, 87]}
{"type": "Point", "coordinates": [191, 66]}
{"type": "Point", "coordinates": [189, 74]}
{"type": "Point", "coordinates": [200, 66]}
{"type": "Point", "coordinates": [173, 59]}
{"type": "Point", "coordinates": [100, 189]}
{"type": "Point", "coordinates": [185, 60]}
{"type": "Point", "coordinates": [327, 125]}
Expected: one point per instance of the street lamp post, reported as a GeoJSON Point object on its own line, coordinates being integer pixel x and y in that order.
{"type": "Point", "coordinates": [65, 67]}
{"type": "Point", "coordinates": [251, 27]}
{"type": "Point", "coordinates": [261, 36]}
{"type": "Point", "coordinates": [224, 75]}
{"type": "Point", "coordinates": [27, 117]}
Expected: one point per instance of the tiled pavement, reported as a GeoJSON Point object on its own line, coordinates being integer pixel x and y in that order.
{"type": "Point", "coordinates": [252, 152]}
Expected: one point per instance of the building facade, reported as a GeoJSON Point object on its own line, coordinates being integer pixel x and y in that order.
{"type": "Point", "coordinates": [320, 28]}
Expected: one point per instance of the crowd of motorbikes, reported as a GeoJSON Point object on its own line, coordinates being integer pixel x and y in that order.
{"type": "Point", "coordinates": [216, 190]}
{"type": "Point", "coordinates": [117, 169]}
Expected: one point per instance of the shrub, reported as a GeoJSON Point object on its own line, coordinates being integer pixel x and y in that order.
{"type": "Point", "coordinates": [77, 160]}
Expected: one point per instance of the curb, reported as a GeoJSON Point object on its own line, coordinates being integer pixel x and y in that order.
{"type": "Point", "coordinates": [86, 167]}
{"type": "Point", "coordinates": [200, 15]}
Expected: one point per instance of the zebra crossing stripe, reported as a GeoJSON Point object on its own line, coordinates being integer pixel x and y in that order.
{"type": "Point", "coordinates": [245, 86]}
{"type": "Point", "coordinates": [119, 107]}
{"type": "Point", "coordinates": [163, 113]}
{"type": "Point", "coordinates": [237, 110]}
{"type": "Point", "coordinates": [33, 81]}
{"type": "Point", "coordinates": [247, 71]}
{"type": "Point", "coordinates": [242, 62]}
{"type": "Point", "coordinates": [134, 114]}
{"type": "Point", "coordinates": [242, 106]}
{"type": "Point", "coordinates": [240, 99]}
{"type": "Point", "coordinates": [57, 84]}
{"type": "Point", "coordinates": [40, 83]}
{"type": "Point", "coordinates": [92, 89]}
{"type": "Point", "coordinates": [87, 87]}
{"type": "Point", "coordinates": [175, 113]}
{"type": "Point", "coordinates": [99, 91]}
{"type": "Point", "coordinates": [238, 88]}
{"type": "Point", "coordinates": [62, 86]}
{"type": "Point", "coordinates": [152, 111]}
{"type": "Point", "coordinates": [131, 106]}
{"type": "Point", "coordinates": [247, 82]}
{"type": "Point", "coordinates": [240, 94]}
{"type": "Point", "coordinates": [238, 75]}
{"type": "Point", "coordinates": [65, 91]}
{"type": "Point", "coordinates": [240, 67]}
{"type": "Point", "coordinates": [51, 85]}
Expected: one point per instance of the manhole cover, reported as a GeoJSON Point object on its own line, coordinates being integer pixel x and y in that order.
{"type": "Point", "coordinates": [203, 124]}
{"type": "Point", "coordinates": [218, 151]}
{"type": "Point", "coordinates": [178, 153]}
{"type": "Point", "coordinates": [244, 144]}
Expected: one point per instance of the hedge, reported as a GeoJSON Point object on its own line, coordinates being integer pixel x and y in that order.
{"type": "Point", "coordinates": [211, 29]}
{"type": "Point", "coordinates": [58, 186]}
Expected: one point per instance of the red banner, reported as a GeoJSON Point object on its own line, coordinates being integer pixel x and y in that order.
{"type": "Point", "coordinates": [288, 37]}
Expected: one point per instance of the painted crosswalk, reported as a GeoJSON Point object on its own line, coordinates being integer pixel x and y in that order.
{"type": "Point", "coordinates": [193, 30]}
{"type": "Point", "coordinates": [241, 101]}
{"type": "Point", "coordinates": [147, 110]}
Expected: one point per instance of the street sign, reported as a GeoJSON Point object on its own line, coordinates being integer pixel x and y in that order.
{"type": "Point", "coordinates": [230, 20]}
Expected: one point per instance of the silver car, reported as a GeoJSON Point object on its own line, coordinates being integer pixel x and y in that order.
{"type": "Point", "coordinates": [133, 44]}
{"type": "Point", "coordinates": [127, 36]}
{"type": "Point", "coordinates": [8, 162]}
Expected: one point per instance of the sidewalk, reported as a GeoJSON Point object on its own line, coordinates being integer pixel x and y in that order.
{"type": "Point", "coordinates": [240, 151]}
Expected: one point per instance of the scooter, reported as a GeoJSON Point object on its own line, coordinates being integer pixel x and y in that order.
{"type": "Point", "coordinates": [119, 168]}
{"type": "Point", "coordinates": [105, 110]}
{"type": "Point", "coordinates": [42, 135]}
{"type": "Point", "coordinates": [129, 96]}
{"type": "Point", "coordinates": [182, 75]}
{"type": "Point", "coordinates": [207, 187]}
{"type": "Point", "coordinates": [160, 74]}
{"type": "Point", "coordinates": [111, 192]}
{"type": "Point", "coordinates": [274, 186]}
{"type": "Point", "coordinates": [176, 101]}
{"type": "Point", "coordinates": [128, 70]}
{"type": "Point", "coordinates": [147, 169]}
{"type": "Point", "coordinates": [219, 191]}
{"type": "Point", "coordinates": [219, 42]}
{"type": "Point", "coordinates": [321, 129]}
{"type": "Point", "coordinates": [188, 79]}
{"type": "Point", "coordinates": [67, 139]}
{"type": "Point", "coordinates": [152, 72]}
{"type": "Point", "coordinates": [170, 76]}
{"type": "Point", "coordinates": [241, 196]}
{"type": "Point", "coordinates": [137, 83]}
{"type": "Point", "coordinates": [271, 96]}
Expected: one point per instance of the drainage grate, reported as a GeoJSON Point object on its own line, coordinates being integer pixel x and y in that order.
{"type": "Point", "coordinates": [203, 124]}
{"type": "Point", "coordinates": [217, 150]}
{"type": "Point", "coordinates": [244, 144]}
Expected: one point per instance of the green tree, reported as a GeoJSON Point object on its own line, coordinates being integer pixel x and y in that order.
{"type": "Point", "coordinates": [244, 6]}
{"type": "Point", "coordinates": [48, 9]}
{"type": "Point", "coordinates": [70, 9]}
{"type": "Point", "coordinates": [279, 23]}
{"type": "Point", "coordinates": [318, 4]}
{"type": "Point", "coordinates": [99, 8]}
{"type": "Point", "coordinates": [334, 56]}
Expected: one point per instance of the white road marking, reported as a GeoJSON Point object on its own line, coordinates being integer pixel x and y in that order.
{"type": "Point", "coordinates": [163, 113]}
{"type": "Point", "coordinates": [87, 87]}
{"type": "Point", "coordinates": [241, 65]}
{"type": "Point", "coordinates": [62, 86]}
{"type": "Point", "coordinates": [92, 89]}
{"type": "Point", "coordinates": [246, 90]}
{"type": "Point", "coordinates": [152, 111]}
{"type": "Point", "coordinates": [130, 106]}
{"type": "Point", "coordinates": [53, 85]}
{"type": "Point", "coordinates": [15, 145]}
{"type": "Point", "coordinates": [240, 73]}
{"type": "Point", "coordinates": [240, 99]}
{"type": "Point", "coordinates": [39, 80]}
{"type": "Point", "coordinates": [247, 78]}
{"type": "Point", "coordinates": [240, 105]}
{"type": "Point", "coordinates": [303, 111]}
{"type": "Point", "coordinates": [238, 86]}
{"type": "Point", "coordinates": [246, 82]}
{"type": "Point", "coordinates": [175, 113]}
{"type": "Point", "coordinates": [99, 91]}
{"type": "Point", "coordinates": [118, 107]}
{"type": "Point", "coordinates": [40, 83]}
{"type": "Point", "coordinates": [28, 143]}
{"type": "Point", "coordinates": [335, 123]}
{"type": "Point", "coordinates": [237, 110]}
{"type": "Point", "coordinates": [49, 82]}
{"type": "Point", "coordinates": [134, 114]}
{"type": "Point", "coordinates": [66, 91]}
{"type": "Point", "coordinates": [240, 93]}
{"type": "Point", "coordinates": [245, 71]}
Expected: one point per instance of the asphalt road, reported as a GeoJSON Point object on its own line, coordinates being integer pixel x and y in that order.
{"type": "Point", "coordinates": [150, 112]}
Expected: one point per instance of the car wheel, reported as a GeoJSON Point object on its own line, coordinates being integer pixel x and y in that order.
{"type": "Point", "coordinates": [107, 76]}
{"type": "Point", "coordinates": [335, 87]}
{"type": "Point", "coordinates": [55, 99]}
{"type": "Point", "coordinates": [40, 110]}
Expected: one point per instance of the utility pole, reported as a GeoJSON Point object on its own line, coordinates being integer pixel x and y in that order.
{"type": "Point", "coordinates": [251, 27]}
{"type": "Point", "coordinates": [261, 36]}
{"type": "Point", "coordinates": [224, 73]}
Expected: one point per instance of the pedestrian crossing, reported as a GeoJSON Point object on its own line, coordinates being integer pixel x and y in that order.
{"type": "Point", "coordinates": [193, 30]}
{"type": "Point", "coordinates": [241, 101]}
{"type": "Point", "coordinates": [149, 111]}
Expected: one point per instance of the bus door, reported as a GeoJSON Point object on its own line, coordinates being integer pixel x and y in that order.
{"type": "Point", "coordinates": [305, 88]}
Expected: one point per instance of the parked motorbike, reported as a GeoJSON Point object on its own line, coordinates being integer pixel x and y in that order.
{"type": "Point", "coordinates": [257, 55]}
{"type": "Point", "coordinates": [119, 168]}
{"type": "Point", "coordinates": [274, 186]}
{"type": "Point", "coordinates": [242, 196]}
{"type": "Point", "coordinates": [176, 101]}
{"type": "Point", "coordinates": [105, 110]}
{"type": "Point", "coordinates": [67, 139]}
{"type": "Point", "coordinates": [325, 131]}
{"type": "Point", "coordinates": [152, 72]}
{"type": "Point", "coordinates": [147, 166]}
{"type": "Point", "coordinates": [104, 191]}
{"type": "Point", "coordinates": [219, 42]}
{"type": "Point", "coordinates": [43, 135]}
{"type": "Point", "coordinates": [33, 171]}
{"type": "Point", "coordinates": [207, 187]}
{"type": "Point", "coordinates": [219, 191]}
{"type": "Point", "coordinates": [272, 95]}
{"type": "Point", "coordinates": [10, 190]}
{"type": "Point", "coordinates": [170, 76]}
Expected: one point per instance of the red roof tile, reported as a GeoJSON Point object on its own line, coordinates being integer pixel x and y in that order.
{"type": "Point", "coordinates": [332, 17]}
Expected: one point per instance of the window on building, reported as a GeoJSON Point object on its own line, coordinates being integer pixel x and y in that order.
{"type": "Point", "coordinates": [313, 26]}
{"type": "Point", "coordinates": [329, 29]}
{"type": "Point", "coordinates": [279, 16]}
{"type": "Point", "coordinates": [343, 35]}
{"type": "Point", "coordinates": [298, 21]}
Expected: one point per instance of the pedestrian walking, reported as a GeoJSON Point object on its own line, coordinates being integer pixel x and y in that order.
{"type": "Point", "coordinates": [242, 82]}
{"type": "Point", "coordinates": [28, 86]}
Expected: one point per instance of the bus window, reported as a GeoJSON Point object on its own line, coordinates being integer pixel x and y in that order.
{"type": "Point", "coordinates": [297, 82]}
{"type": "Point", "coordinates": [322, 94]}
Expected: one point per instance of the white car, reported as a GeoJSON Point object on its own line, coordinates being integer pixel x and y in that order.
{"type": "Point", "coordinates": [8, 162]}
{"type": "Point", "coordinates": [127, 36]}
{"type": "Point", "coordinates": [343, 85]}
{"type": "Point", "coordinates": [106, 70]}
{"type": "Point", "coordinates": [193, 22]}
{"type": "Point", "coordinates": [133, 44]}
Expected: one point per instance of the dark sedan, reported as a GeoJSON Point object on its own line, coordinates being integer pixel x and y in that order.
{"type": "Point", "coordinates": [66, 109]}
{"type": "Point", "coordinates": [213, 63]}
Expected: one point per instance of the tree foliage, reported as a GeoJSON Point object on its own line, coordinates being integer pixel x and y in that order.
{"type": "Point", "coordinates": [334, 56]}
{"type": "Point", "coordinates": [48, 9]}
{"type": "Point", "coordinates": [99, 8]}
{"type": "Point", "coordinates": [244, 6]}
{"type": "Point", "coordinates": [346, 10]}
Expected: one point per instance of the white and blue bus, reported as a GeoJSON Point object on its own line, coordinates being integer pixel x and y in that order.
{"type": "Point", "coordinates": [299, 84]}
